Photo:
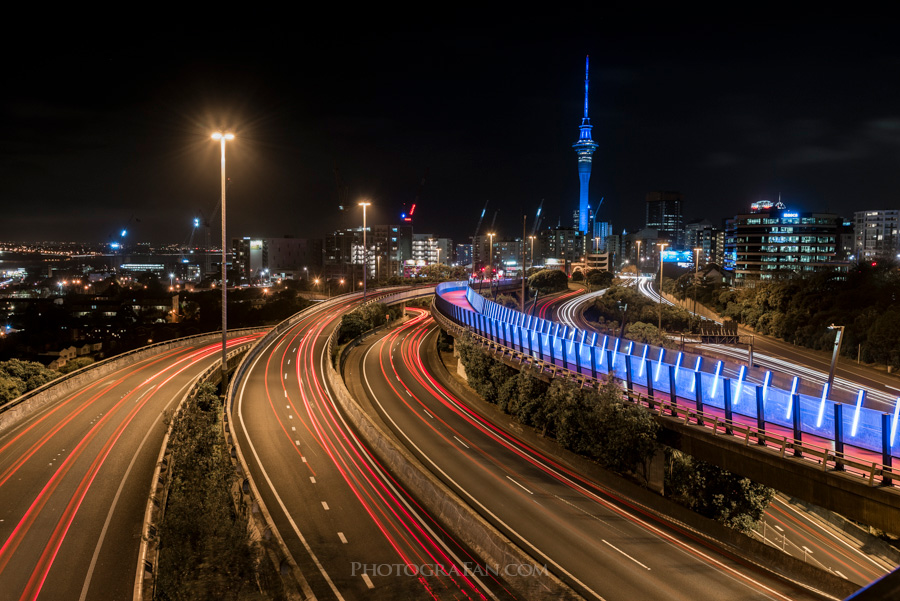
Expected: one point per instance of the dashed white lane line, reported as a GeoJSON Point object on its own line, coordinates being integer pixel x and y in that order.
{"type": "Point", "coordinates": [461, 442]}
{"type": "Point", "coordinates": [312, 479]}
{"type": "Point", "coordinates": [303, 458]}
{"type": "Point", "coordinates": [368, 581]}
{"type": "Point", "coordinates": [325, 505]}
{"type": "Point", "coordinates": [342, 537]}
{"type": "Point", "coordinates": [519, 485]}
{"type": "Point", "coordinates": [625, 554]}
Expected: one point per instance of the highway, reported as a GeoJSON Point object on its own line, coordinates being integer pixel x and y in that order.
{"type": "Point", "coordinates": [811, 366]}
{"type": "Point", "coordinates": [352, 529]}
{"type": "Point", "coordinates": [600, 543]}
{"type": "Point", "coordinates": [784, 525]}
{"type": "Point", "coordinates": [76, 474]}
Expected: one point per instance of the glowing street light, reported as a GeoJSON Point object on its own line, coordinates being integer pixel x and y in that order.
{"type": "Point", "coordinates": [662, 247]}
{"type": "Point", "coordinates": [491, 257]}
{"type": "Point", "coordinates": [532, 250]}
{"type": "Point", "coordinates": [364, 204]}
{"type": "Point", "coordinates": [222, 138]}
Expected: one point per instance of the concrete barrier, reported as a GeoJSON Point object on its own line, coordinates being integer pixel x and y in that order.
{"type": "Point", "coordinates": [446, 506]}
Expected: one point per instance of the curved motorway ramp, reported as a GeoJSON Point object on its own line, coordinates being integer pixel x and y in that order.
{"type": "Point", "coordinates": [75, 476]}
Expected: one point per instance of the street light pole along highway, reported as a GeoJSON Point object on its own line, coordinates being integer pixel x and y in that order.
{"type": "Point", "coordinates": [364, 204]}
{"type": "Point", "coordinates": [222, 138]}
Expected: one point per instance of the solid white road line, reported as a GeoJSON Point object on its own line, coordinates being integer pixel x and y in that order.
{"type": "Point", "coordinates": [624, 553]}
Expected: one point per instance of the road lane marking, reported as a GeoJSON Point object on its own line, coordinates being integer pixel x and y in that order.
{"type": "Point", "coordinates": [625, 554]}
{"type": "Point", "coordinates": [519, 485]}
{"type": "Point", "coordinates": [270, 484]}
{"type": "Point", "coordinates": [293, 428]}
{"type": "Point", "coordinates": [325, 505]}
{"type": "Point", "coordinates": [303, 458]}
{"type": "Point", "coordinates": [285, 376]}
{"type": "Point", "coordinates": [297, 442]}
{"type": "Point", "coordinates": [312, 479]}
{"type": "Point", "coordinates": [368, 581]}
{"type": "Point", "coordinates": [342, 537]}
{"type": "Point", "coordinates": [461, 442]}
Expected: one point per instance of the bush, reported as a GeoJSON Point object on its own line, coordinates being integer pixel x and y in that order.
{"type": "Point", "coordinates": [205, 549]}
{"type": "Point", "coordinates": [714, 492]}
{"type": "Point", "coordinates": [548, 281]}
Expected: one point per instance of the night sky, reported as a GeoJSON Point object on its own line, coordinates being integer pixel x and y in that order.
{"type": "Point", "coordinates": [103, 131]}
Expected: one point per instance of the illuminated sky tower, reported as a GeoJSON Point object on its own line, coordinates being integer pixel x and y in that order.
{"type": "Point", "coordinates": [584, 148]}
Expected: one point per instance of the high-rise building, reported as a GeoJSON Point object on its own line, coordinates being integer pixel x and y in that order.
{"type": "Point", "coordinates": [702, 234]}
{"type": "Point", "coordinates": [664, 214]}
{"type": "Point", "coordinates": [876, 234]}
{"type": "Point", "coordinates": [584, 148]}
{"type": "Point", "coordinates": [777, 243]}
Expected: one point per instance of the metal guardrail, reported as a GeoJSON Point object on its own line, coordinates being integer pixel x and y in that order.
{"type": "Point", "coordinates": [490, 332]}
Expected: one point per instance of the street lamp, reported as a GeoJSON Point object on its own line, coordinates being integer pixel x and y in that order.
{"type": "Point", "coordinates": [837, 351]}
{"type": "Point", "coordinates": [364, 204]}
{"type": "Point", "coordinates": [696, 277]}
{"type": "Point", "coordinates": [491, 257]}
{"type": "Point", "coordinates": [662, 247]}
{"type": "Point", "coordinates": [222, 138]}
{"type": "Point", "coordinates": [532, 250]}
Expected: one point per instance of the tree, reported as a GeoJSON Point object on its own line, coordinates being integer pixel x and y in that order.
{"type": "Point", "coordinates": [599, 278]}
{"type": "Point", "coordinates": [75, 364]}
{"type": "Point", "coordinates": [548, 281]}
{"type": "Point", "coordinates": [714, 492]}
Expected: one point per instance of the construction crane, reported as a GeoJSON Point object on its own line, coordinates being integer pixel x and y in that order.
{"type": "Point", "coordinates": [537, 218]}
{"type": "Point", "coordinates": [481, 218]}
{"type": "Point", "coordinates": [475, 236]}
{"type": "Point", "coordinates": [407, 216]}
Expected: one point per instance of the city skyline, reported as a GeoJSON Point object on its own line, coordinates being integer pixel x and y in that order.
{"type": "Point", "coordinates": [96, 141]}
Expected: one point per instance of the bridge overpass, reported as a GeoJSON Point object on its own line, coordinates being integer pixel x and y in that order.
{"type": "Point", "coordinates": [836, 456]}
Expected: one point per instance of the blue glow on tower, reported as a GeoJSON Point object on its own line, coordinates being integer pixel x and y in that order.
{"type": "Point", "coordinates": [584, 148]}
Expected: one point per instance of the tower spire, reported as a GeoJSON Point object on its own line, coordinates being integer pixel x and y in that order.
{"type": "Point", "coordinates": [587, 63]}
{"type": "Point", "coordinates": [584, 148]}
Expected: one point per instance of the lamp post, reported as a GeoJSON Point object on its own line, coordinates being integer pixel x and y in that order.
{"type": "Point", "coordinates": [662, 247]}
{"type": "Point", "coordinates": [696, 277]}
{"type": "Point", "coordinates": [222, 138]}
{"type": "Point", "coordinates": [638, 262]}
{"type": "Point", "coordinates": [532, 250]}
{"type": "Point", "coordinates": [837, 351]}
{"type": "Point", "coordinates": [364, 204]}
{"type": "Point", "coordinates": [491, 257]}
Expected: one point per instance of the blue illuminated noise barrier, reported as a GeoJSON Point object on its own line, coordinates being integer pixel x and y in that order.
{"type": "Point", "coordinates": [864, 430]}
